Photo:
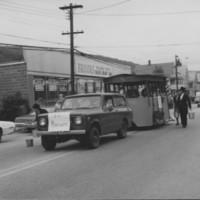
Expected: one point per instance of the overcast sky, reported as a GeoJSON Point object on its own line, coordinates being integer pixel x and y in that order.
{"type": "Point", "coordinates": [131, 30]}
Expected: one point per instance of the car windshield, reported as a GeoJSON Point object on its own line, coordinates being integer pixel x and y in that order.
{"type": "Point", "coordinates": [83, 102]}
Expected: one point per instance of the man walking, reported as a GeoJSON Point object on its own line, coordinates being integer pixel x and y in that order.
{"type": "Point", "coordinates": [183, 104]}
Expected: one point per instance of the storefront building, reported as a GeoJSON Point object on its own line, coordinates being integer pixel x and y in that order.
{"type": "Point", "coordinates": [48, 74]}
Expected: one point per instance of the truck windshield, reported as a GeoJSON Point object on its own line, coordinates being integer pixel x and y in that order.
{"type": "Point", "coordinates": [81, 102]}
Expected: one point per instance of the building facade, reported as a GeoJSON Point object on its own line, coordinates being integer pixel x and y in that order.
{"type": "Point", "coordinates": [44, 74]}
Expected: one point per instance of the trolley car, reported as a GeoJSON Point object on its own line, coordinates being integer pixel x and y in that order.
{"type": "Point", "coordinates": [146, 95]}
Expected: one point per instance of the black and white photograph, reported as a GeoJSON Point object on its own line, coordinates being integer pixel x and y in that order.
{"type": "Point", "coordinates": [99, 99]}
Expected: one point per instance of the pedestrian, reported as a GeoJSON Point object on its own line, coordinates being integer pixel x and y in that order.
{"type": "Point", "coordinates": [176, 111]}
{"type": "Point", "coordinates": [183, 104]}
{"type": "Point", "coordinates": [59, 102]}
{"type": "Point", "coordinates": [38, 110]}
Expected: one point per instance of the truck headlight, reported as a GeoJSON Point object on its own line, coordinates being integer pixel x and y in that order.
{"type": "Point", "coordinates": [78, 120]}
{"type": "Point", "coordinates": [42, 122]}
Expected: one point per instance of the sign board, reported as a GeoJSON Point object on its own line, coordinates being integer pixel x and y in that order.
{"type": "Point", "coordinates": [59, 121]}
{"type": "Point", "coordinates": [93, 70]}
{"type": "Point", "coordinates": [162, 69]}
{"type": "Point", "coordinates": [92, 67]}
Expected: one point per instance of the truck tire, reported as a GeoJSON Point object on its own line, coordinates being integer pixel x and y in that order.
{"type": "Point", "coordinates": [48, 142]}
{"type": "Point", "coordinates": [93, 138]}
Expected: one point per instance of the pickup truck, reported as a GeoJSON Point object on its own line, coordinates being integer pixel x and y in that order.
{"type": "Point", "coordinates": [85, 117]}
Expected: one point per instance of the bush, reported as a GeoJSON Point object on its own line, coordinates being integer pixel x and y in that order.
{"type": "Point", "coordinates": [14, 106]}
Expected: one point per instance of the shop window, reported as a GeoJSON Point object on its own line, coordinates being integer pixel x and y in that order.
{"type": "Point", "coordinates": [39, 88]}
{"type": "Point", "coordinates": [48, 89]}
{"type": "Point", "coordinates": [90, 86]}
{"type": "Point", "coordinates": [97, 86]}
{"type": "Point", "coordinates": [63, 86]}
{"type": "Point", "coordinates": [81, 86]}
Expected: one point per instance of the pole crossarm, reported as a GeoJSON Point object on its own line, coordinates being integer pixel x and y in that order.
{"type": "Point", "coordinates": [67, 33]}
{"type": "Point", "coordinates": [70, 7]}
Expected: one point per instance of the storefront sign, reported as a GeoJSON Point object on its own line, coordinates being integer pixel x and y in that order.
{"type": "Point", "coordinates": [62, 88]}
{"type": "Point", "coordinates": [59, 121]}
{"type": "Point", "coordinates": [39, 84]}
{"type": "Point", "coordinates": [53, 85]}
{"type": "Point", "coordinates": [39, 87]}
{"type": "Point", "coordinates": [93, 70]}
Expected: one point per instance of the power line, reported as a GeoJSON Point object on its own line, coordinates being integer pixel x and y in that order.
{"type": "Point", "coordinates": [103, 8]}
{"type": "Point", "coordinates": [22, 6]}
{"type": "Point", "coordinates": [136, 46]}
{"type": "Point", "coordinates": [3, 7]}
{"type": "Point", "coordinates": [27, 38]}
{"type": "Point", "coordinates": [141, 14]}
{"type": "Point", "coordinates": [111, 63]}
{"type": "Point", "coordinates": [29, 23]}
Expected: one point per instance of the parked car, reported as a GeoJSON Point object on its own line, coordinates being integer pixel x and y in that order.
{"type": "Point", "coordinates": [6, 127]}
{"type": "Point", "coordinates": [27, 122]}
{"type": "Point", "coordinates": [85, 117]}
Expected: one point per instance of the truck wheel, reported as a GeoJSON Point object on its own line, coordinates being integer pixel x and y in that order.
{"type": "Point", "coordinates": [48, 142]}
{"type": "Point", "coordinates": [122, 133]}
{"type": "Point", "coordinates": [29, 130]}
{"type": "Point", "coordinates": [93, 139]}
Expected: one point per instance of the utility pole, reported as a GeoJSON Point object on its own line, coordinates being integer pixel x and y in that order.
{"type": "Point", "coordinates": [177, 63]}
{"type": "Point", "coordinates": [71, 33]}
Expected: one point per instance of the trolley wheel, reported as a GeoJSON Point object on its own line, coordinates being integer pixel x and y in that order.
{"type": "Point", "coordinates": [29, 130]}
{"type": "Point", "coordinates": [122, 133]}
{"type": "Point", "coordinates": [48, 142]}
{"type": "Point", "coordinates": [93, 138]}
{"type": "Point", "coordinates": [1, 133]}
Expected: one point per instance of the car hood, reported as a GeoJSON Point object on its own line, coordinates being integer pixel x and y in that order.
{"type": "Point", "coordinates": [25, 117]}
{"type": "Point", "coordinates": [78, 111]}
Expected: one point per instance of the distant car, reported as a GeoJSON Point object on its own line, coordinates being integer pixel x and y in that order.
{"type": "Point", "coordinates": [6, 127]}
{"type": "Point", "coordinates": [27, 122]}
{"type": "Point", "coordinates": [85, 117]}
{"type": "Point", "coordinates": [197, 100]}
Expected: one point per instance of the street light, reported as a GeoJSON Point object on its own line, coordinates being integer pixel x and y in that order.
{"type": "Point", "coordinates": [177, 63]}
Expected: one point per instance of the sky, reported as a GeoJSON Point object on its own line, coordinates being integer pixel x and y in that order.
{"type": "Point", "coordinates": [130, 30]}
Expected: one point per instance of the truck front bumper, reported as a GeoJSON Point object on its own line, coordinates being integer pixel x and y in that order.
{"type": "Point", "coordinates": [37, 133]}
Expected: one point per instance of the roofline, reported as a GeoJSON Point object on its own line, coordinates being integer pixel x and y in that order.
{"type": "Point", "coordinates": [12, 63]}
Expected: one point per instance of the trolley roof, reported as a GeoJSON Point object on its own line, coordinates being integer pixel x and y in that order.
{"type": "Point", "coordinates": [134, 78]}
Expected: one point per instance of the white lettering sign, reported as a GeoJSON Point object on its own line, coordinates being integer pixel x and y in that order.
{"type": "Point", "coordinates": [59, 121]}
{"type": "Point", "coordinates": [93, 70]}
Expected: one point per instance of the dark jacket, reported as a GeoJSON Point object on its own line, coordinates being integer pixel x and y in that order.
{"type": "Point", "coordinates": [184, 103]}
{"type": "Point", "coordinates": [41, 111]}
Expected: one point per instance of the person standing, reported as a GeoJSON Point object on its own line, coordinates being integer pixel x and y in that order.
{"type": "Point", "coordinates": [59, 102]}
{"type": "Point", "coordinates": [183, 104]}
{"type": "Point", "coordinates": [38, 110]}
{"type": "Point", "coordinates": [176, 111]}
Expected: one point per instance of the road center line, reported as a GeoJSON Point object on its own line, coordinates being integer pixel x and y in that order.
{"type": "Point", "coordinates": [31, 164]}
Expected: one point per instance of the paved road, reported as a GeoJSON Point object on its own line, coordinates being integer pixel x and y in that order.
{"type": "Point", "coordinates": [160, 163]}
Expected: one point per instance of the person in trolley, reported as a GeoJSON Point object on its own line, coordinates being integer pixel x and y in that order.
{"type": "Point", "coordinates": [176, 111]}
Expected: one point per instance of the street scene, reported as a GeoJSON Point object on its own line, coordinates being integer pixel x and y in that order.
{"type": "Point", "coordinates": [99, 100]}
{"type": "Point", "coordinates": [161, 163]}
